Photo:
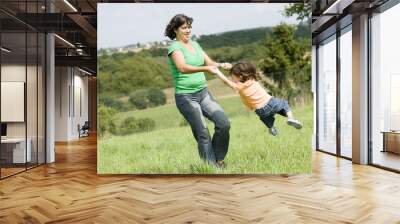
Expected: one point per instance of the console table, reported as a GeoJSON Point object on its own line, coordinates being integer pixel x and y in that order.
{"type": "Point", "coordinates": [391, 141]}
{"type": "Point", "coordinates": [13, 150]}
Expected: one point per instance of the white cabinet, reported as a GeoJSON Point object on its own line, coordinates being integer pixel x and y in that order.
{"type": "Point", "coordinates": [18, 149]}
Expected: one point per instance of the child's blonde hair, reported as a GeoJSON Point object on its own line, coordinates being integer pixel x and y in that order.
{"type": "Point", "coordinates": [245, 71]}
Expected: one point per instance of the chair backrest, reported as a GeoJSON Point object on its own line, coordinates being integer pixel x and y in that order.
{"type": "Point", "coordinates": [86, 125]}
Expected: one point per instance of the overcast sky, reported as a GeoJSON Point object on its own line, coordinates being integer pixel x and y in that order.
{"type": "Point", "coordinates": [121, 24]}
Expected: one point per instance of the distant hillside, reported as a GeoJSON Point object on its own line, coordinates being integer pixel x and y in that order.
{"type": "Point", "coordinates": [122, 73]}
{"type": "Point", "coordinates": [240, 37]}
{"type": "Point", "coordinates": [218, 40]}
{"type": "Point", "coordinates": [233, 38]}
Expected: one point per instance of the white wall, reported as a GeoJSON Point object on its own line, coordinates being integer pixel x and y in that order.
{"type": "Point", "coordinates": [81, 94]}
{"type": "Point", "coordinates": [50, 94]}
{"type": "Point", "coordinates": [327, 96]}
{"type": "Point", "coordinates": [71, 87]}
{"type": "Point", "coordinates": [346, 75]}
{"type": "Point", "coordinates": [360, 90]}
{"type": "Point", "coordinates": [314, 91]}
{"type": "Point", "coordinates": [13, 72]}
{"type": "Point", "coordinates": [62, 81]}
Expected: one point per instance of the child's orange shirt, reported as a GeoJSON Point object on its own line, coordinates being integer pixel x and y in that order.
{"type": "Point", "coordinates": [252, 94]}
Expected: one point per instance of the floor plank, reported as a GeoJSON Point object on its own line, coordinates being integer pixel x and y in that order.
{"type": "Point", "coordinates": [70, 191]}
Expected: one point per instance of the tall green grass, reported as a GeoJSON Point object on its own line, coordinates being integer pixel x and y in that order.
{"type": "Point", "coordinates": [172, 149]}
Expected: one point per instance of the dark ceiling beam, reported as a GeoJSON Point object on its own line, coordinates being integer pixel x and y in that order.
{"type": "Point", "coordinates": [91, 5]}
{"type": "Point", "coordinates": [90, 31]}
{"type": "Point", "coordinates": [86, 51]}
{"type": "Point", "coordinates": [11, 25]}
{"type": "Point", "coordinates": [55, 22]}
{"type": "Point", "coordinates": [63, 7]}
{"type": "Point", "coordinates": [77, 61]}
{"type": "Point", "coordinates": [321, 23]}
{"type": "Point", "coordinates": [15, 18]}
{"type": "Point", "coordinates": [49, 22]}
{"type": "Point", "coordinates": [327, 16]}
{"type": "Point", "coordinates": [337, 7]}
{"type": "Point", "coordinates": [89, 70]}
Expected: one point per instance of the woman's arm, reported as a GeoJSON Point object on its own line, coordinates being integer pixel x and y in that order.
{"type": "Point", "coordinates": [226, 80]}
{"type": "Point", "coordinates": [179, 61]}
{"type": "Point", "coordinates": [209, 61]}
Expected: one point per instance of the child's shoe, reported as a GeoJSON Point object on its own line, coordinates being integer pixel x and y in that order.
{"type": "Point", "coordinates": [221, 164]}
{"type": "Point", "coordinates": [294, 123]}
{"type": "Point", "coordinates": [273, 131]}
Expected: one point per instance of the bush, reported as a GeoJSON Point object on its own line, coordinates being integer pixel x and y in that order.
{"type": "Point", "coordinates": [106, 121]}
{"type": "Point", "coordinates": [105, 100]}
{"type": "Point", "coordinates": [126, 106]}
{"type": "Point", "coordinates": [143, 98]}
{"type": "Point", "coordinates": [114, 103]}
{"type": "Point", "coordinates": [156, 97]}
{"type": "Point", "coordinates": [146, 124]}
{"type": "Point", "coordinates": [139, 99]}
{"type": "Point", "coordinates": [128, 126]}
{"type": "Point", "coordinates": [131, 125]}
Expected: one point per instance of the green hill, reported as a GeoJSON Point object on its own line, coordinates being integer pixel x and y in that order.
{"type": "Point", "coordinates": [244, 37]}
{"type": "Point", "coordinates": [233, 38]}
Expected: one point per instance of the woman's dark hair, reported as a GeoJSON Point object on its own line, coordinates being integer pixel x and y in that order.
{"type": "Point", "coordinates": [245, 71]}
{"type": "Point", "coordinates": [177, 21]}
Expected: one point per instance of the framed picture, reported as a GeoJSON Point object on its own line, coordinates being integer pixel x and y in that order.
{"type": "Point", "coordinates": [203, 89]}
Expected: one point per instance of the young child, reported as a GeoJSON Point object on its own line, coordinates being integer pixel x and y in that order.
{"type": "Point", "coordinates": [253, 95]}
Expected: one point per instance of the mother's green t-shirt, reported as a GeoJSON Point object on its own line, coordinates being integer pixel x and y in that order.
{"type": "Point", "coordinates": [187, 83]}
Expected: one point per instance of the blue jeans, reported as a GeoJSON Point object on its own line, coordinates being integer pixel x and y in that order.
{"type": "Point", "coordinates": [274, 106]}
{"type": "Point", "coordinates": [194, 107]}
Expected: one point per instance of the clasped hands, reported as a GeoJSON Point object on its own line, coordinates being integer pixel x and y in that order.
{"type": "Point", "coordinates": [214, 69]}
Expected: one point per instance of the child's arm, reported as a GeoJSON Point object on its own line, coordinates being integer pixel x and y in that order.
{"type": "Point", "coordinates": [226, 80]}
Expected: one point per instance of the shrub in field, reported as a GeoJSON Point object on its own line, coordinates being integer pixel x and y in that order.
{"type": "Point", "coordinates": [110, 101]}
{"type": "Point", "coordinates": [106, 120]}
{"type": "Point", "coordinates": [146, 124]}
{"type": "Point", "coordinates": [126, 106]}
{"type": "Point", "coordinates": [131, 125]}
{"type": "Point", "coordinates": [145, 98]}
{"type": "Point", "coordinates": [139, 99]}
{"type": "Point", "coordinates": [115, 103]}
{"type": "Point", "coordinates": [106, 100]}
{"type": "Point", "coordinates": [128, 126]}
{"type": "Point", "coordinates": [156, 97]}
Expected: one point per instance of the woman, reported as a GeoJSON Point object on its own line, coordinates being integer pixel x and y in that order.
{"type": "Point", "coordinates": [187, 63]}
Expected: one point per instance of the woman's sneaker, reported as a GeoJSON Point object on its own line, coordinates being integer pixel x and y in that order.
{"type": "Point", "coordinates": [294, 123]}
{"type": "Point", "coordinates": [273, 131]}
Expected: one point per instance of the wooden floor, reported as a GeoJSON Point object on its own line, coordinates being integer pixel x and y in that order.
{"type": "Point", "coordinates": [70, 191]}
{"type": "Point", "coordinates": [10, 171]}
{"type": "Point", "coordinates": [387, 159]}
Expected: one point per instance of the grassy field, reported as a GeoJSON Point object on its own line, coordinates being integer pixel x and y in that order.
{"type": "Point", "coordinates": [171, 148]}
